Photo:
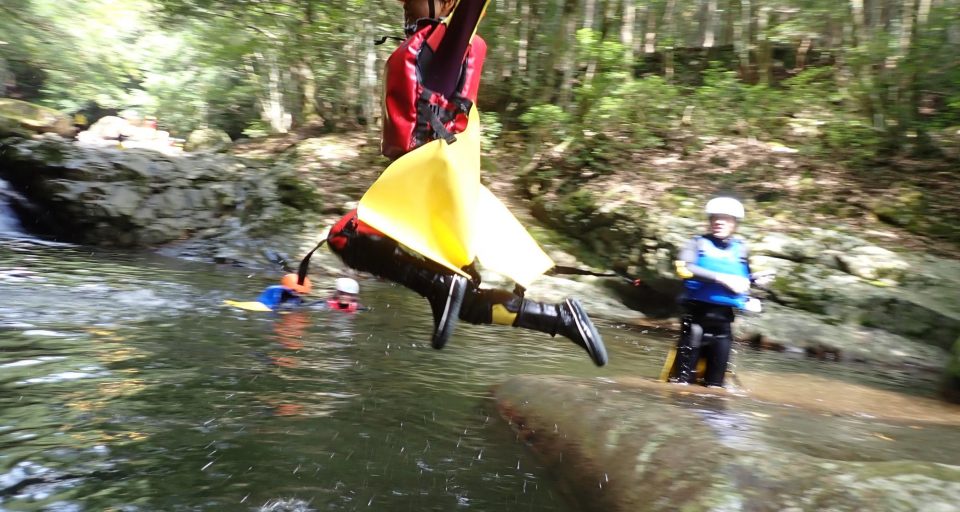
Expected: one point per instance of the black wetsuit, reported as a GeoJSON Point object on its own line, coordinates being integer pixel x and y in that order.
{"type": "Point", "coordinates": [706, 328]}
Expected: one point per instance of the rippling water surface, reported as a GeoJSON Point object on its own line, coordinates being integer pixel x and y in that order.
{"type": "Point", "coordinates": [125, 385]}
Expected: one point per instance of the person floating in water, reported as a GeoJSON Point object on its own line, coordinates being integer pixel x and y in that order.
{"type": "Point", "coordinates": [345, 296]}
{"type": "Point", "coordinates": [427, 219]}
{"type": "Point", "coordinates": [716, 273]}
{"type": "Point", "coordinates": [291, 293]}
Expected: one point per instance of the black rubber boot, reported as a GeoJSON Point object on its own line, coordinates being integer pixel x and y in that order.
{"type": "Point", "coordinates": [445, 293]}
{"type": "Point", "coordinates": [567, 319]}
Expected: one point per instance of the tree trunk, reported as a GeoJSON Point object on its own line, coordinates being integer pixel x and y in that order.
{"type": "Point", "coordinates": [742, 40]}
{"type": "Point", "coordinates": [523, 37]}
{"type": "Point", "coordinates": [352, 78]}
{"type": "Point", "coordinates": [304, 68]}
{"type": "Point", "coordinates": [764, 48]}
{"type": "Point", "coordinates": [856, 6]}
{"type": "Point", "coordinates": [626, 33]}
{"type": "Point", "coordinates": [650, 35]}
{"type": "Point", "coordinates": [308, 81]}
{"type": "Point", "coordinates": [569, 59]}
{"type": "Point", "coordinates": [668, 51]}
{"type": "Point", "coordinates": [710, 23]}
{"type": "Point", "coordinates": [371, 110]}
{"type": "Point", "coordinates": [589, 13]}
{"type": "Point", "coordinates": [271, 103]}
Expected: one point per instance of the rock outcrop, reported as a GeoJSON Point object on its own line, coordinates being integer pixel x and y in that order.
{"type": "Point", "coordinates": [142, 198]}
{"type": "Point", "coordinates": [838, 290]}
{"type": "Point", "coordinates": [21, 118]}
{"type": "Point", "coordinates": [632, 444]}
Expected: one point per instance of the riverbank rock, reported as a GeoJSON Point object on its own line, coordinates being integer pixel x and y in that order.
{"type": "Point", "coordinates": [630, 444]}
{"type": "Point", "coordinates": [17, 117]}
{"type": "Point", "coordinates": [142, 198]}
{"type": "Point", "coordinates": [837, 286]}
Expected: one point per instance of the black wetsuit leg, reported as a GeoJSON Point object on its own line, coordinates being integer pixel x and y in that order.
{"type": "Point", "coordinates": [718, 353]}
{"type": "Point", "coordinates": [705, 331]}
{"type": "Point", "coordinates": [716, 323]}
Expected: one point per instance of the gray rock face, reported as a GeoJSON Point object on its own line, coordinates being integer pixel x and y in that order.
{"type": "Point", "coordinates": [838, 291]}
{"type": "Point", "coordinates": [139, 197]}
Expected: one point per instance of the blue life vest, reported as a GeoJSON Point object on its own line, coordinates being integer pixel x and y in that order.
{"type": "Point", "coordinates": [729, 260]}
{"type": "Point", "coordinates": [276, 295]}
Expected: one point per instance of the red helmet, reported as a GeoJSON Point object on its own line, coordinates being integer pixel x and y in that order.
{"type": "Point", "coordinates": [290, 281]}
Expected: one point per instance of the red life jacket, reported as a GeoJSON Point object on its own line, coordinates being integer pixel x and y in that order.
{"type": "Point", "coordinates": [346, 228]}
{"type": "Point", "coordinates": [335, 305]}
{"type": "Point", "coordinates": [416, 115]}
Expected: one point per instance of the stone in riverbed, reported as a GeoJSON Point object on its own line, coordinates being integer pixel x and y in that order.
{"type": "Point", "coordinates": [626, 444]}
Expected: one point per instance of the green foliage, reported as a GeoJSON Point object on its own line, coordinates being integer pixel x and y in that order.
{"type": "Point", "coordinates": [640, 113]}
{"type": "Point", "coordinates": [880, 85]}
{"type": "Point", "coordinates": [548, 123]}
{"type": "Point", "coordinates": [491, 129]}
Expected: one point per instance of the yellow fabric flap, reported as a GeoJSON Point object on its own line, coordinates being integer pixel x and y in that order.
{"type": "Point", "coordinates": [431, 201]}
{"type": "Point", "coordinates": [504, 245]}
{"type": "Point", "coordinates": [249, 306]}
{"type": "Point", "coordinates": [426, 199]}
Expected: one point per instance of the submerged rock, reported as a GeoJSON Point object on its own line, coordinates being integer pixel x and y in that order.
{"type": "Point", "coordinates": [635, 444]}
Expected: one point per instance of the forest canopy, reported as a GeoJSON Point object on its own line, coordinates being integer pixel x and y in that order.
{"type": "Point", "coordinates": [863, 77]}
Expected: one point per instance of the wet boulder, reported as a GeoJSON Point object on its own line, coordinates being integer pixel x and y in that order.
{"type": "Point", "coordinates": [626, 444]}
{"type": "Point", "coordinates": [140, 198]}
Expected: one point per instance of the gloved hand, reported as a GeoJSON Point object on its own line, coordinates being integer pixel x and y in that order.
{"type": "Point", "coordinates": [763, 278]}
{"type": "Point", "coordinates": [753, 305]}
{"type": "Point", "coordinates": [735, 284]}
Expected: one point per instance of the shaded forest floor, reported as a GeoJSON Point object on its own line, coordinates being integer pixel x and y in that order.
{"type": "Point", "coordinates": [902, 203]}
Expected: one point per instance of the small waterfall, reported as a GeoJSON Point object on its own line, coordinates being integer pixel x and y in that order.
{"type": "Point", "coordinates": [9, 223]}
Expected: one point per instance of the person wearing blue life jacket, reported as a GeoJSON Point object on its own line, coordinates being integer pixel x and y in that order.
{"type": "Point", "coordinates": [716, 272]}
{"type": "Point", "coordinates": [291, 294]}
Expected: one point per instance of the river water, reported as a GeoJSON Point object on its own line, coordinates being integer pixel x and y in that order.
{"type": "Point", "coordinates": [125, 384]}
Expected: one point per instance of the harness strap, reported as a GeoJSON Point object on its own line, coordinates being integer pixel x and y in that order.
{"type": "Point", "coordinates": [432, 118]}
{"type": "Point", "coordinates": [305, 263]}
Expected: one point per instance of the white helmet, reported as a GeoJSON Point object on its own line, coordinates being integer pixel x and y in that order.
{"type": "Point", "coordinates": [347, 285]}
{"type": "Point", "coordinates": [725, 206]}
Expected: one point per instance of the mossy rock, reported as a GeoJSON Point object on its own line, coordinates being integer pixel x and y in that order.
{"type": "Point", "coordinates": [17, 116]}
{"type": "Point", "coordinates": [207, 139]}
{"type": "Point", "coordinates": [905, 208]}
{"type": "Point", "coordinates": [298, 194]}
{"type": "Point", "coordinates": [11, 128]}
